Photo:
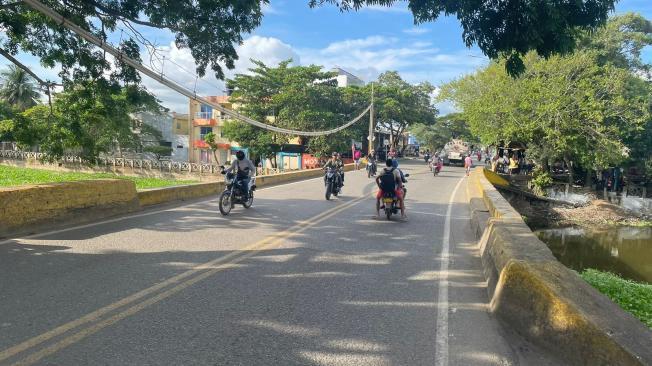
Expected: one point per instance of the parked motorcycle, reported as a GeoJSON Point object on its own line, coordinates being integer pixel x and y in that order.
{"type": "Point", "coordinates": [333, 182]}
{"type": "Point", "coordinates": [233, 193]}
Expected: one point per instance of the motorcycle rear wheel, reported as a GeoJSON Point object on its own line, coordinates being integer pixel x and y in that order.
{"type": "Point", "coordinates": [225, 203]}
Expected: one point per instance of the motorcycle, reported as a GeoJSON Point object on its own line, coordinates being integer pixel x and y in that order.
{"type": "Point", "coordinates": [435, 167]}
{"type": "Point", "coordinates": [426, 158]}
{"type": "Point", "coordinates": [333, 182]}
{"type": "Point", "coordinates": [233, 193]}
{"type": "Point", "coordinates": [390, 202]}
{"type": "Point", "coordinates": [371, 169]}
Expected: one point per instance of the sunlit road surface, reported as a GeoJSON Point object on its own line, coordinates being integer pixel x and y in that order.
{"type": "Point", "coordinates": [295, 280]}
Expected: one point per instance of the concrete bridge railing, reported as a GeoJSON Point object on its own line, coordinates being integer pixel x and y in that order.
{"type": "Point", "coordinates": [538, 297]}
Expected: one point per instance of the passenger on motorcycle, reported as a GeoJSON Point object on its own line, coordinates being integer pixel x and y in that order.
{"type": "Point", "coordinates": [244, 170]}
{"type": "Point", "coordinates": [336, 163]}
{"type": "Point", "coordinates": [390, 181]}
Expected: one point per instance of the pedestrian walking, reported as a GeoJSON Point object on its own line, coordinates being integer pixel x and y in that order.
{"type": "Point", "coordinates": [356, 158]}
{"type": "Point", "coordinates": [468, 164]}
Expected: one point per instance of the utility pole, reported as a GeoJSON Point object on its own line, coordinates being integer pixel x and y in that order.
{"type": "Point", "coordinates": [371, 121]}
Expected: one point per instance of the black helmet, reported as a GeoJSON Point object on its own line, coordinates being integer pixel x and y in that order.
{"type": "Point", "coordinates": [240, 155]}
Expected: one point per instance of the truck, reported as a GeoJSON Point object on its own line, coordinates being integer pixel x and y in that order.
{"type": "Point", "coordinates": [454, 152]}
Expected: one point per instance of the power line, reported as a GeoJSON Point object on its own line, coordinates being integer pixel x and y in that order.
{"type": "Point", "coordinates": [52, 14]}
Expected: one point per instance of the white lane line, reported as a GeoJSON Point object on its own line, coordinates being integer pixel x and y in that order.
{"type": "Point", "coordinates": [441, 337]}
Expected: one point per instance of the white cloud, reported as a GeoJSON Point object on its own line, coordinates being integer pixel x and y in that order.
{"type": "Point", "coordinates": [416, 31]}
{"type": "Point", "coordinates": [180, 67]}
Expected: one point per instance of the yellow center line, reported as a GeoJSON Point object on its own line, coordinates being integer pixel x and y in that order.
{"type": "Point", "coordinates": [215, 266]}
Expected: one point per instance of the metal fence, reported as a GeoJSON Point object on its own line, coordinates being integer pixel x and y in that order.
{"type": "Point", "coordinates": [9, 152]}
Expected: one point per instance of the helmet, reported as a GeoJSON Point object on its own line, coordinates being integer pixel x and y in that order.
{"type": "Point", "coordinates": [240, 155]}
{"type": "Point", "coordinates": [335, 154]}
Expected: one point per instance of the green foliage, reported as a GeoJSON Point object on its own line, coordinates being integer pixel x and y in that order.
{"type": "Point", "coordinates": [633, 297]}
{"type": "Point", "coordinates": [89, 118]}
{"type": "Point", "coordinates": [158, 150]}
{"type": "Point", "coordinates": [399, 104]}
{"type": "Point", "coordinates": [507, 29]}
{"type": "Point", "coordinates": [541, 180]}
{"type": "Point", "coordinates": [12, 176]}
{"type": "Point", "coordinates": [296, 97]}
{"type": "Point", "coordinates": [445, 128]}
{"type": "Point", "coordinates": [588, 107]}
{"type": "Point", "coordinates": [18, 88]}
{"type": "Point", "coordinates": [210, 29]}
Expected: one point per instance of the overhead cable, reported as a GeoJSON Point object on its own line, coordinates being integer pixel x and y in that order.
{"type": "Point", "coordinates": [59, 19]}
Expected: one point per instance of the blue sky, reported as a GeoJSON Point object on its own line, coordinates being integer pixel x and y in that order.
{"type": "Point", "coordinates": [366, 43]}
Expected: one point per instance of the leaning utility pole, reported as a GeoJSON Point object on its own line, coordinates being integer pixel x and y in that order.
{"type": "Point", "coordinates": [371, 121]}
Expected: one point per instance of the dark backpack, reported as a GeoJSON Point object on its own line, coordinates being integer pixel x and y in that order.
{"type": "Point", "coordinates": [387, 181]}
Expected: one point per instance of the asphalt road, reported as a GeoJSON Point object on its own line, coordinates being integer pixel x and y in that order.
{"type": "Point", "coordinates": [295, 280]}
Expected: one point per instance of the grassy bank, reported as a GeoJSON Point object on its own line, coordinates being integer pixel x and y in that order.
{"type": "Point", "coordinates": [13, 176]}
{"type": "Point", "coordinates": [634, 297]}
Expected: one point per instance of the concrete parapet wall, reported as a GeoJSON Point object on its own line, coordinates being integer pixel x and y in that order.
{"type": "Point", "coordinates": [39, 207]}
{"type": "Point", "coordinates": [540, 298]}
{"type": "Point", "coordinates": [46, 205]}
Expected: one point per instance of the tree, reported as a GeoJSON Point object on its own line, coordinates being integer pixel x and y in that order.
{"type": "Point", "coordinates": [581, 108]}
{"type": "Point", "coordinates": [297, 97]}
{"type": "Point", "coordinates": [508, 29]}
{"type": "Point", "coordinates": [445, 128]}
{"type": "Point", "coordinates": [87, 119]}
{"type": "Point", "coordinates": [210, 29]}
{"type": "Point", "coordinates": [18, 88]}
{"type": "Point", "coordinates": [211, 139]}
{"type": "Point", "coordinates": [399, 104]}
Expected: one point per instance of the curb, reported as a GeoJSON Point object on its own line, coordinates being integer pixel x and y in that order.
{"type": "Point", "coordinates": [538, 297]}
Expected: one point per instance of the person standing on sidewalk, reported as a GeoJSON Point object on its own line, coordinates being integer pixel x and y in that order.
{"type": "Point", "coordinates": [356, 158]}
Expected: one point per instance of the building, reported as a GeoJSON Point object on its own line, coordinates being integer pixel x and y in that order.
{"type": "Point", "coordinates": [173, 128]}
{"type": "Point", "coordinates": [345, 78]}
{"type": "Point", "coordinates": [205, 120]}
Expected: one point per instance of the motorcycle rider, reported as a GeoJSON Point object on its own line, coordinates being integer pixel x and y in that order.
{"type": "Point", "coordinates": [385, 185]}
{"type": "Point", "coordinates": [244, 169]}
{"type": "Point", "coordinates": [335, 163]}
{"type": "Point", "coordinates": [371, 162]}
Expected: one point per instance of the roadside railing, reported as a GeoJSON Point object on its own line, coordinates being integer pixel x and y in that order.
{"type": "Point", "coordinates": [167, 166]}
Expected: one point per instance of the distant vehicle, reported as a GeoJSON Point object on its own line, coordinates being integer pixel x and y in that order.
{"type": "Point", "coordinates": [455, 151]}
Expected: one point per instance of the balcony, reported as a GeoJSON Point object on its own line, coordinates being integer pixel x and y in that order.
{"type": "Point", "coordinates": [204, 122]}
{"type": "Point", "coordinates": [200, 144]}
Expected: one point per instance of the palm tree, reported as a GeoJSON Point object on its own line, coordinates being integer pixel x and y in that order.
{"type": "Point", "coordinates": [18, 88]}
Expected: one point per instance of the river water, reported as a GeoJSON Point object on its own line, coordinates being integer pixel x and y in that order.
{"type": "Point", "coordinates": [626, 251]}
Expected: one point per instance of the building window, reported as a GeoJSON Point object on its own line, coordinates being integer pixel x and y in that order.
{"type": "Point", "coordinates": [179, 146]}
{"type": "Point", "coordinates": [205, 112]}
{"type": "Point", "coordinates": [178, 125]}
{"type": "Point", "coordinates": [203, 131]}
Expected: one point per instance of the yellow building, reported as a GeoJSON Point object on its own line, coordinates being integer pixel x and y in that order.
{"type": "Point", "coordinates": [205, 120]}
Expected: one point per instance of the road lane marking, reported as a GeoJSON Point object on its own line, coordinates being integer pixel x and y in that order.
{"type": "Point", "coordinates": [209, 268]}
{"type": "Point", "coordinates": [441, 337]}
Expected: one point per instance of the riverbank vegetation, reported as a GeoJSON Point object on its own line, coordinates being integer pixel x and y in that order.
{"type": "Point", "coordinates": [634, 297]}
{"type": "Point", "coordinates": [14, 176]}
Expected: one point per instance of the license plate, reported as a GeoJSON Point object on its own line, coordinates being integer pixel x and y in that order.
{"type": "Point", "coordinates": [388, 200]}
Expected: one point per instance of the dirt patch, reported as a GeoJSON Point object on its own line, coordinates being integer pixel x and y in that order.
{"type": "Point", "coordinates": [599, 213]}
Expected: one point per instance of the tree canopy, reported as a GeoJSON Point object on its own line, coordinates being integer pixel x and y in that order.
{"type": "Point", "coordinates": [211, 29]}
{"type": "Point", "coordinates": [591, 107]}
{"type": "Point", "coordinates": [506, 28]}
{"type": "Point", "coordinates": [17, 88]}
{"type": "Point", "coordinates": [399, 104]}
{"type": "Point", "coordinates": [298, 97]}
